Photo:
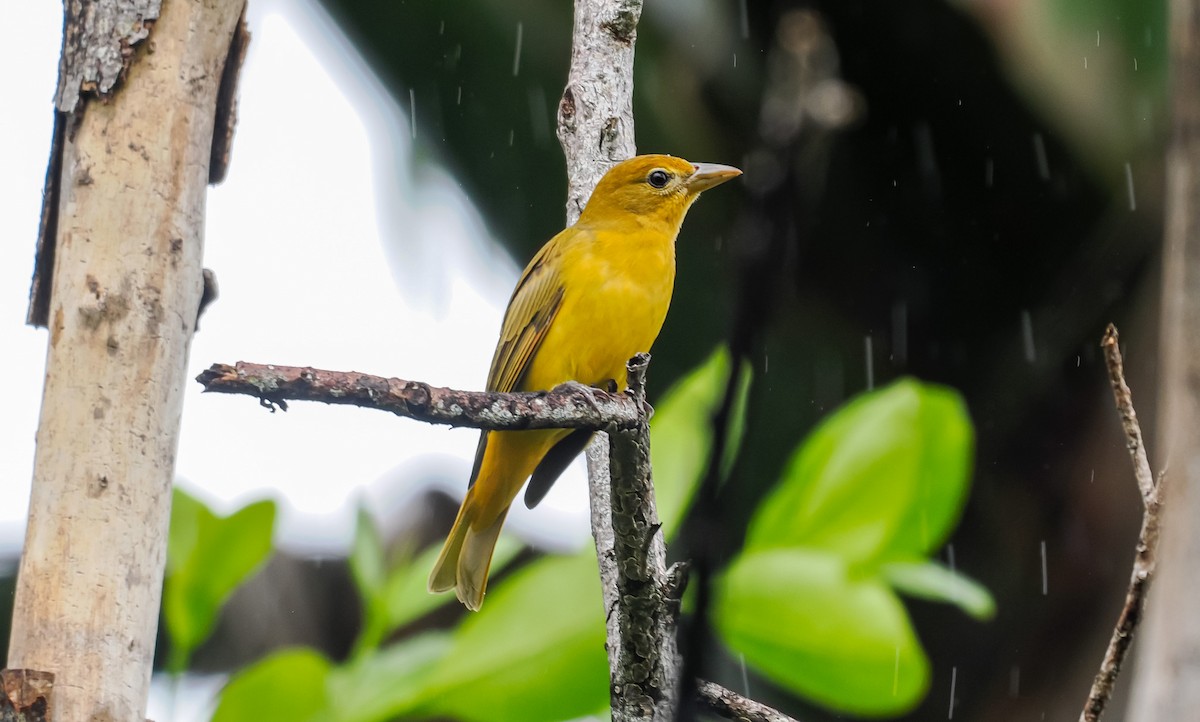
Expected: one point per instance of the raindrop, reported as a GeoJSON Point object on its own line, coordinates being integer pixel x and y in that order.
{"type": "Point", "coordinates": [458, 100]}
{"type": "Point", "coordinates": [538, 116]}
{"type": "Point", "coordinates": [896, 674]}
{"type": "Point", "coordinates": [1129, 186]}
{"type": "Point", "coordinates": [989, 173]}
{"type": "Point", "coordinates": [766, 363]}
{"type": "Point", "coordinates": [745, 18]}
{"type": "Point", "coordinates": [900, 332]}
{"type": "Point", "coordinates": [1097, 38]}
{"type": "Point", "coordinates": [927, 159]}
{"type": "Point", "coordinates": [1045, 580]}
{"type": "Point", "coordinates": [870, 362]}
{"type": "Point", "coordinates": [745, 677]}
{"type": "Point", "coordinates": [1092, 480]}
{"type": "Point", "coordinates": [1085, 62]}
{"type": "Point", "coordinates": [412, 111]}
{"type": "Point", "coordinates": [1014, 681]}
{"type": "Point", "coordinates": [735, 60]}
{"type": "Point", "coordinates": [517, 51]}
{"type": "Point", "coordinates": [442, 28]}
{"type": "Point", "coordinates": [511, 135]}
{"type": "Point", "coordinates": [950, 556]}
{"type": "Point", "coordinates": [1135, 65]}
{"type": "Point", "coordinates": [1039, 151]}
{"type": "Point", "coordinates": [1149, 37]}
{"type": "Point", "coordinates": [953, 682]}
{"type": "Point", "coordinates": [1027, 336]}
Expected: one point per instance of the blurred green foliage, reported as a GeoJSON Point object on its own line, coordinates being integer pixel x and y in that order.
{"type": "Point", "coordinates": [287, 684]}
{"type": "Point", "coordinates": [956, 207]}
{"type": "Point", "coordinates": [868, 496]}
{"type": "Point", "coordinates": [207, 558]}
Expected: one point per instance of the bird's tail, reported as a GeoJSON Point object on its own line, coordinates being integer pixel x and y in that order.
{"type": "Point", "coordinates": [467, 554]}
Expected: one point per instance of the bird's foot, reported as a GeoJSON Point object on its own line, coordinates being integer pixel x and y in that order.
{"type": "Point", "coordinates": [587, 392]}
{"type": "Point", "coordinates": [647, 409]}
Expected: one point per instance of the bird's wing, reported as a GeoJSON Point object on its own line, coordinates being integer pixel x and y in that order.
{"type": "Point", "coordinates": [531, 310]}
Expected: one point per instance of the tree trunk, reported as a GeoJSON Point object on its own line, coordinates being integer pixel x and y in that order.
{"type": "Point", "coordinates": [124, 244]}
{"type": "Point", "coordinates": [1166, 687]}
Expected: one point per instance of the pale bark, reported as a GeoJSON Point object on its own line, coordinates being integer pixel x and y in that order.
{"type": "Point", "coordinates": [1167, 683]}
{"type": "Point", "coordinates": [595, 115]}
{"type": "Point", "coordinates": [125, 289]}
{"type": "Point", "coordinates": [595, 128]}
{"type": "Point", "coordinates": [641, 597]}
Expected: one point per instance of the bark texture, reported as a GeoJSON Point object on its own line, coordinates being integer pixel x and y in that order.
{"type": "Point", "coordinates": [1165, 686]}
{"type": "Point", "coordinates": [126, 286]}
{"type": "Point", "coordinates": [1146, 553]}
{"type": "Point", "coordinates": [28, 696]}
{"type": "Point", "coordinates": [641, 598]}
{"type": "Point", "coordinates": [595, 128]}
{"type": "Point", "coordinates": [570, 406]}
{"type": "Point", "coordinates": [595, 115]}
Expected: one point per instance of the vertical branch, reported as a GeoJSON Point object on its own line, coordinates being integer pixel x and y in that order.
{"type": "Point", "coordinates": [595, 129]}
{"type": "Point", "coordinates": [1169, 664]}
{"type": "Point", "coordinates": [595, 115]}
{"type": "Point", "coordinates": [645, 679]}
{"type": "Point", "coordinates": [124, 247]}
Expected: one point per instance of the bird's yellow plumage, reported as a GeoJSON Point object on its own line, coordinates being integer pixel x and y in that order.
{"type": "Point", "coordinates": [590, 299]}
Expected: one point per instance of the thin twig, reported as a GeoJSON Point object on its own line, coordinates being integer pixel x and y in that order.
{"type": "Point", "coordinates": [1147, 546]}
{"type": "Point", "coordinates": [570, 406]}
{"type": "Point", "coordinates": [733, 706]}
{"type": "Point", "coordinates": [1129, 422]}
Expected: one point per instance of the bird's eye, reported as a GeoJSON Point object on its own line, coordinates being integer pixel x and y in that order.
{"type": "Point", "coordinates": [658, 178]}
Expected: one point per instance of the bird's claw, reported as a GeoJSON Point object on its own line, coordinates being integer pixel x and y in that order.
{"type": "Point", "coordinates": [587, 392]}
{"type": "Point", "coordinates": [647, 409]}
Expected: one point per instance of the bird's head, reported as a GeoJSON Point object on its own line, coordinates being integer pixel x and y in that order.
{"type": "Point", "coordinates": [659, 187]}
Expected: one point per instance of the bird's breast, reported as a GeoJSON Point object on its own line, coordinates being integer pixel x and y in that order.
{"type": "Point", "coordinates": [616, 294]}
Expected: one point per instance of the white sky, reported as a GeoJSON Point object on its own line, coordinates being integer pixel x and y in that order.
{"type": "Point", "coordinates": [296, 238]}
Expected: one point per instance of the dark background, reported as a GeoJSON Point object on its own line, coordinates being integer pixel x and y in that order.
{"type": "Point", "coordinates": [993, 203]}
{"type": "Point", "coordinates": [929, 225]}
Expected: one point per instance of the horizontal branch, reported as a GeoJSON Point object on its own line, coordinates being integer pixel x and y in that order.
{"type": "Point", "coordinates": [730, 705]}
{"type": "Point", "coordinates": [569, 406]}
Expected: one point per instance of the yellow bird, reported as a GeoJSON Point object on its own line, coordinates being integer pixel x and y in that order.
{"type": "Point", "coordinates": [594, 296]}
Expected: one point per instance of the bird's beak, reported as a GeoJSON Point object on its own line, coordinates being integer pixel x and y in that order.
{"type": "Point", "coordinates": [707, 175]}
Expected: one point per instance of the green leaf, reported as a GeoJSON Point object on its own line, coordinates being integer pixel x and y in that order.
{"type": "Point", "coordinates": [207, 558]}
{"type": "Point", "coordinates": [394, 598]}
{"type": "Point", "coordinates": [681, 434]}
{"type": "Point", "coordinates": [384, 684]}
{"type": "Point", "coordinates": [737, 421]}
{"type": "Point", "coordinates": [368, 567]}
{"type": "Point", "coordinates": [406, 595]}
{"type": "Point", "coordinates": [929, 580]}
{"type": "Point", "coordinates": [367, 563]}
{"type": "Point", "coordinates": [535, 653]}
{"type": "Point", "coordinates": [804, 622]}
{"type": "Point", "coordinates": [886, 475]}
{"type": "Point", "coordinates": [287, 685]}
